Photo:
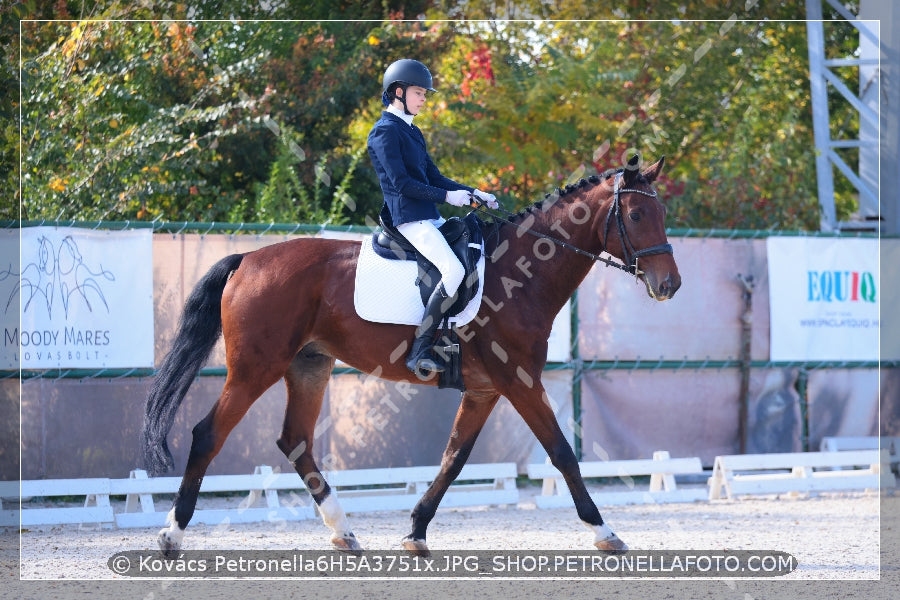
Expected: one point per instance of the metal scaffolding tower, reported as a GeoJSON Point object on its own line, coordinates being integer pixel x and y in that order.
{"type": "Point", "coordinates": [864, 176]}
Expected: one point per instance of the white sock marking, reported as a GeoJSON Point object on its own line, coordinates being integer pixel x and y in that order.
{"type": "Point", "coordinates": [174, 533]}
{"type": "Point", "coordinates": [334, 517]}
{"type": "Point", "coordinates": [601, 532]}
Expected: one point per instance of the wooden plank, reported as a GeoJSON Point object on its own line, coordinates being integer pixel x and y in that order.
{"type": "Point", "coordinates": [453, 498]}
{"type": "Point", "coordinates": [59, 516]}
{"type": "Point", "coordinates": [282, 481]}
{"type": "Point", "coordinates": [388, 476]}
{"type": "Point", "coordinates": [218, 516]}
{"type": "Point", "coordinates": [842, 443]}
{"type": "Point", "coordinates": [141, 519]}
{"type": "Point", "coordinates": [232, 483]}
{"type": "Point", "coordinates": [405, 475]}
{"type": "Point", "coordinates": [9, 490]}
{"type": "Point", "coordinates": [9, 518]}
{"type": "Point", "coordinates": [488, 471]}
{"type": "Point", "coordinates": [615, 468]}
{"type": "Point", "coordinates": [214, 516]}
{"type": "Point", "coordinates": [742, 485]}
{"type": "Point", "coordinates": [170, 485]}
{"type": "Point", "coordinates": [625, 498]}
{"type": "Point", "coordinates": [788, 460]}
{"type": "Point", "coordinates": [151, 485]}
{"type": "Point", "coordinates": [285, 481]}
{"type": "Point", "coordinates": [869, 442]}
{"type": "Point", "coordinates": [46, 488]}
{"type": "Point", "coordinates": [642, 467]}
{"type": "Point", "coordinates": [362, 504]}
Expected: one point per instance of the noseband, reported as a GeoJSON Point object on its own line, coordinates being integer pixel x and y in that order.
{"type": "Point", "coordinates": [615, 210]}
{"type": "Point", "coordinates": [631, 255]}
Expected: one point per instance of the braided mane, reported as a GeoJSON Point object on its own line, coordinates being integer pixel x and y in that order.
{"type": "Point", "coordinates": [563, 191]}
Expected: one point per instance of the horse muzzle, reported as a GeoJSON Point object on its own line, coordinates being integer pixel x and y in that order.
{"type": "Point", "coordinates": [662, 288]}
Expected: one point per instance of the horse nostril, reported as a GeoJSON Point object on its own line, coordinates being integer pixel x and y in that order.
{"type": "Point", "coordinates": [669, 286]}
{"type": "Point", "coordinates": [675, 283]}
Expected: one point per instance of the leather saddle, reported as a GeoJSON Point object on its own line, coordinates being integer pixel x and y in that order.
{"type": "Point", "coordinates": [465, 237]}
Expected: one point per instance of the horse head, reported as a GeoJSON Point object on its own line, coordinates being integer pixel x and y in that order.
{"type": "Point", "coordinates": [633, 229]}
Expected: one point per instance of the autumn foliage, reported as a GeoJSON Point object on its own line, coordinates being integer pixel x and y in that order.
{"type": "Point", "coordinates": [177, 117]}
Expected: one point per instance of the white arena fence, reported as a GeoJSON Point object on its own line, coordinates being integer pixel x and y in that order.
{"type": "Point", "coordinates": [275, 496]}
{"type": "Point", "coordinates": [283, 495]}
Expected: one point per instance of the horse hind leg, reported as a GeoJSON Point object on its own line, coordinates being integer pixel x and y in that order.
{"type": "Point", "coordinates": [306, 380]}
{"type": "Point", "coordinates": [208, 437]}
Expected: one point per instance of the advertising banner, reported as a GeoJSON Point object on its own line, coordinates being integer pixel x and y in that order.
{"type": "Point", "coordinates": [78, 299]}
{"type": "Point", "coordinates": [823, 298]}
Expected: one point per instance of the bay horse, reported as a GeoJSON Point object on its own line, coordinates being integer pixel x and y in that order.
{"type": "Point", "coordinates": [287, 311]}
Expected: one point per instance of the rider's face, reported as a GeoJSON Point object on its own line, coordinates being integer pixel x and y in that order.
{"type": "Point", "coordinates": [415, 98]}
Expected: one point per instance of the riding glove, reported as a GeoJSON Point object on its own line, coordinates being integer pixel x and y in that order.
{"type": "Point", "coordinates": [459, 197]}
{"type": "Point", "coordinates": [489, 199]}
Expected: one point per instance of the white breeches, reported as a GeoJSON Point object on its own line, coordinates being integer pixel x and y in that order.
{"type": "Point", "coordinates": [428, 241]}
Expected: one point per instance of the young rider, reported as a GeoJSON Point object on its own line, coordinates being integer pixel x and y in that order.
{"type": "Point", "coordinates": [413, 187]}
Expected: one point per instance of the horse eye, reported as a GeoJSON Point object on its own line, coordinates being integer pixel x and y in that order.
{"type": "Point", "coordinates": [634, 216]}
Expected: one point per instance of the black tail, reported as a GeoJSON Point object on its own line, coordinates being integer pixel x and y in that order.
{"type": "Point", "coordinates": [198, 331]}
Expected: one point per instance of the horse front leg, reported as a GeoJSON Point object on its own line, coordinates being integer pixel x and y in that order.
{"type": "Point", "coordinates": [534, 406]}
{"type": "Point", "coordinates": [470, 418]}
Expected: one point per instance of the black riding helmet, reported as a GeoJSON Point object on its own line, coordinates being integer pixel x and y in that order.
{"type": "Point", "coordinates": [405, 72]}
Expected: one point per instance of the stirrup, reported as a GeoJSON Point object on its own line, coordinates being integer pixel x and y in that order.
{"type": "Point", "coordinates": [424, 367]}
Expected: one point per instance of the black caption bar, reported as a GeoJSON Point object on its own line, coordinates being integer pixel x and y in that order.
{"type": "Point", "coordinates": [455, 564]}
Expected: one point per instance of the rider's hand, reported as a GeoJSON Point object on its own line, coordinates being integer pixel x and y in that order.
{"type": "Point", "coordinates": [459, 197]}
{"type": "Point", "coordinates": [489, 199]}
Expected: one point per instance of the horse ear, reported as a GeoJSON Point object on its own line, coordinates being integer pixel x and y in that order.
{"type": "Point", "coordinates": [654, 170]}
{"type": "Point", "coordinates": [632, 169]}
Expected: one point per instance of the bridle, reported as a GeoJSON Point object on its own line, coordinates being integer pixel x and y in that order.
{"type": "Point", "coordinates": [631, 255]}
{"type": "Point", "coordinates": [615, 212]}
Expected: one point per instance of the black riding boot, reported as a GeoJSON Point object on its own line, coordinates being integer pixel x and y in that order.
{"type": "Point", "coordinates": [420, 359]}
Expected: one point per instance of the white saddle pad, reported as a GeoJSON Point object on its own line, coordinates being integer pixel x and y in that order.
{"type": "Point", "coordinates": [386, 290]}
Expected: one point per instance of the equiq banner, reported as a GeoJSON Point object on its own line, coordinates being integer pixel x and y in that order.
{"type": "Point", "coordinates": [824, 298]}
{"type": "Point", "coordinates": [77, 299]}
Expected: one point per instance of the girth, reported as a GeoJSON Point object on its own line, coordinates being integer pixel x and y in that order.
{"type": "Point", "coordinates": [465, 239]}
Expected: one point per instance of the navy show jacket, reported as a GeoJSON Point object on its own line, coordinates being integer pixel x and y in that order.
{"type": "Point", "coordinates": [410, 181]}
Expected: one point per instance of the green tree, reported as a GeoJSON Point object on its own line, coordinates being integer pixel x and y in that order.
{"type": "Point", "coordinates": [283, 198]}
{"type": "Point", "coordinates": [726, 101]}
{"type": "Point", "coordinates": [179, 118]}
{"type": "Point", "coordinates": [122, 120]}
{"type": "Point", "coordinates": [9, 112]}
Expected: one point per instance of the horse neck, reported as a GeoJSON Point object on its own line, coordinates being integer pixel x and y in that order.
{"type": "Point", "coordinates": [553, 271]}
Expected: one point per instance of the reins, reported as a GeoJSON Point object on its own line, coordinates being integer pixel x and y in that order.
{"type": "Point", "coordinates": [630, 265]}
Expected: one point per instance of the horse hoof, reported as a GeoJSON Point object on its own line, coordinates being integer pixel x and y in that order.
{"type": "Point", "coordinates": [416, 547]}
{"type": "Point", "coordinates": [612, 545]}
{"type": "Point", "coordinates": [167, 545]}
{"type": "Point", "coordinates": [347, 544]}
